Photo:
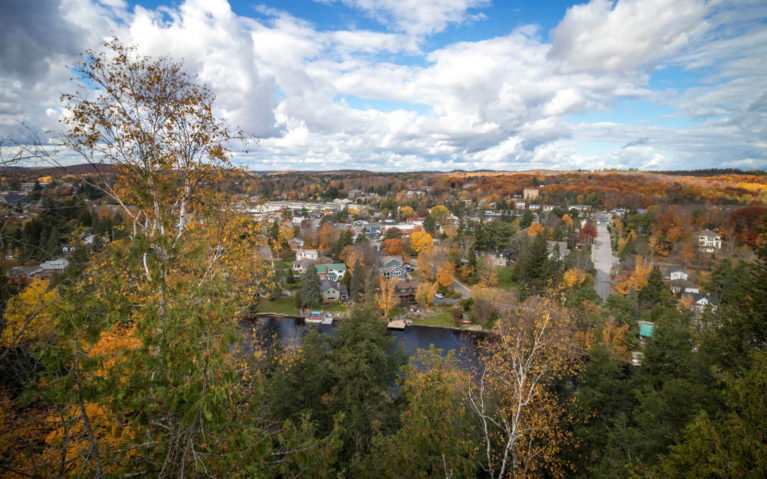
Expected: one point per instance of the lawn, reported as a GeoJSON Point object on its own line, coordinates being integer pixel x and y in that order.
{"type": "Point", "coordinates": [504, 279]}
{"type": "Point", "coordinates": [442, 318]}
{"type": "Point", "coordinates": [285, 305]}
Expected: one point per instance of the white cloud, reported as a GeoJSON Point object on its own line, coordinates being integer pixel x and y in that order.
{"type": "Point", "coordinates": [498, 103]}
{"type": "Point", "coordinates": [606, 36]}
{"type": "Point", "coordinates": [417, 17]}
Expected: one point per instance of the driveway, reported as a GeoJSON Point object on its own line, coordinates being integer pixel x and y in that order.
{"type": "Point", "coordinates": [602, 256]}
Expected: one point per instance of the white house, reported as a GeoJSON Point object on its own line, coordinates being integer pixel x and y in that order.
{"type": "Point", "coordinates": [307, 254]}
{"type": "Point", "coordinates": [709, 242]}
{"type": "Point", "coordinates": [675, 274]}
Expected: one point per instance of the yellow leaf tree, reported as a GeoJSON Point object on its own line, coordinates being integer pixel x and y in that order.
{"type": "Point", "coordinates": [421, 241]}
{"type": "Point", "coordinates": [523, 424]}
{"type": "Point", "coordinates": [446, 274]}
{"type": "Point", "coordinates": [386, 297]}
{"type": "Point", "coordinates": [28, 316]}
{"type": "Point", "coordinates": [425, 293]}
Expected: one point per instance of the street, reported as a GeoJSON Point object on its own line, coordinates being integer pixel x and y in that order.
{"type": "Point", "coordinates": [602, 256]}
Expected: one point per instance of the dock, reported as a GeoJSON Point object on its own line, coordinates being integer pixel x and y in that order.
{"type": "Point", "coordinates": [398, 324]}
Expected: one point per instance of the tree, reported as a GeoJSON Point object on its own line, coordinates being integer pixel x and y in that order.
{"type": "Point", "coordinates": [439, 213]}
{"type": "Point", "coordinates": [435, 439]}
{"type": "Point", "coordinates": [357, 285]}
{"type": "Point", "coordinates": [588, 233]}
{"type": "Point", "coordinates": [522, 423]}
{"type": "Point", "coordinates": [421, 241]}
{"type": "Point", "coordinates": [425, 293]}
{"type": "Point", "coordinates": [187, 267]}
{"type": "Point", "coordinates": [430, 224]}
{"type": "Point", "coordinates": [29, 317]}
{"type": "Point", "coordinates": [364, 372]}
{"type": "Point", "coordinates": [446, 274]}
{"type": "Point", "coordinates": [406, 212]}
{"type": "Point", "coordinates": [394, 247]}
{"type": "Point", "coordinates": [535, 229]}
{"type": "Point", "coordinates": [310, 288]}
{"type": "Point", "coordinates": [386, 297]}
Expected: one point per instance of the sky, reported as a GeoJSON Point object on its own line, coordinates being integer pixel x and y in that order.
{"type": "Point", "coordinates": [411, 85]}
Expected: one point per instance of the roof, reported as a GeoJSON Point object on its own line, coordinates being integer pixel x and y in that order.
{"type": "Point", "coordinates": [646, 328]}
{"type": "Point", "coordinates": [406, 284]}
{"type": "Point", "coordinates": [324, 268]}
{"type": "Point", "coordinates": [708, 233]}
{"type": "Point", "coordinates": [327, 284]}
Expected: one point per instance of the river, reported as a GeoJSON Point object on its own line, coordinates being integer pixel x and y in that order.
{"type": "Point", "coordinates": [290, 332]}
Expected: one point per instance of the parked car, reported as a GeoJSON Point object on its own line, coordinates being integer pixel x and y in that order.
{"type": "Point", "coordinates": [439, 295]}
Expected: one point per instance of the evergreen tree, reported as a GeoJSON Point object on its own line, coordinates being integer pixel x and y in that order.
{"type": "Point", "coordinates": [430, 224]}
{"type": "Point", "coordinates": [357, 282]}
{"type": "Point", "coordinates": [311, 294]}
{"type": "Point", "coordinates": [655, 291]}
{"type": "Point", "coordinates": [364, 371]}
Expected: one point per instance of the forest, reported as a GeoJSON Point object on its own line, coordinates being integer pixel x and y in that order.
{"type": "Point", "coordinates": [136, 361]}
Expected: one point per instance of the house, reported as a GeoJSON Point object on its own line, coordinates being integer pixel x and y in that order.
{"type": "Point", "coordinates": [548, 208]}
{"type": "Point", "coordinates": [520, 205]}
{"type": "Point", "coordinates": [330, 291]}
{"type": "Point", "coordinates": [675, 274]}
{"type": "Point", "coordinates": [531, 194]}
{"type": "Point", "coordinates": [701, 301]}
{"type": "Point", "coordinates": [581, 208]}
{"type": "Point", "coordinates": [405, 291]}
{"type": "Point", "coordinates": [646, 329]}
{"type": "Point", "coordinates": [391, 267]}
{"type": "Point", "coordinates": [296, 243]}
{"type": "Point", "coordinates": [301, 265]}
{"type": "Point", "coordinates": [25, 273]}
{"type": "Point", "coordinates": [682, 286]}
{"type": "Point", "coordinates": [709, 242]}
{"type": "Point", "coordinates": [54, 265]}
{"type": "Point", "coordinates": [332, 271]}
{"type": "Point", "coordinates": [499, 259]}
{"type": "Point", "coordinates": [344, 292]}
{"type": "Point", "coordinates": [307, 254]}
{"type": "Point", "coordinates": [553, 246]}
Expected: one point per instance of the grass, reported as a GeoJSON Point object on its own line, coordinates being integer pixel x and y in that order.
{"type": "Point", "coordinates": [286, 305]}
{"type": "Point", "coordinates": [504, 279]}
{"type": "Point", "coordinates": [443, 318]}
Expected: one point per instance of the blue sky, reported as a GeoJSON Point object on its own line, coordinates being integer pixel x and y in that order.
{"type": "Point", "coordinates": [410, 84]}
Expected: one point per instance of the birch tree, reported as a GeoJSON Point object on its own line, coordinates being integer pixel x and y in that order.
{"type": "Point", "coordinates": [522, 424]}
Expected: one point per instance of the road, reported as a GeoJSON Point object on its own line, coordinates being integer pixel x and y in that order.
{"type": "Point", "coordinates": [602, 256]}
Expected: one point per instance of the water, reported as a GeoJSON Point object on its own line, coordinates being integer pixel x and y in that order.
{"type": "Point", "coordinates": [290, 332]}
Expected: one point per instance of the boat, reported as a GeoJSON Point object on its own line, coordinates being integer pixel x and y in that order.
{"type": "Point", "coordinates": [327, 318]}
{"type": "Point", "coordinates": [314, 318]}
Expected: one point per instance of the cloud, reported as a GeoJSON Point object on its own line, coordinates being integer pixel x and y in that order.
{"type": "Point", "coordinates": [352, 98]}
{"type": "Point", "coordinates": [609, 37]}
{"type": "Point", "coordinates": [416, 17]}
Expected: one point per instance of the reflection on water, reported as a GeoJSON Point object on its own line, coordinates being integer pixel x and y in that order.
{"type": "Point", "coordinates": [290, 332]}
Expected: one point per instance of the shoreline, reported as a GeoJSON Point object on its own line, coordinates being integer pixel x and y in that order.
{"type": "Point", "coordinates": [266, 314]}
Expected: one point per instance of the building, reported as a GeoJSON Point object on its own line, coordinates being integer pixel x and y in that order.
{"type": "Point", "coordinates": [330, 291]}
{"type": "Point", "coordinates": [531, 194]}
{"type": "Point", "coordinates": [682, 286]}
{"type": "Point", "coordinates": [675, 274]}
{"type": "Point", "coordinates": [646, 329]}
{"type": "Point", "coordinates": [333, 271]}
{"type": "Point", "coordinates": [405, 291]}
{"type": "Point", "coordinates": [709, 242]}
{"type": "Point", "coordinates": [307, 254]}
{"type": "Point", "coordinates": [552, 246]}
{"type": "Point", "coordinates": [391, 267]}
{"type": "Point", "coordinates": [296, 243]}
{"type": "Point", "coordinates": [300, 266]}
{"type": "Point", "coordinates": [701, 301]}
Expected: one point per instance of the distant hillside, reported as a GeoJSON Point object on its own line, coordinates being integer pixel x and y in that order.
{"type": "Point", "coordinates": [81, 169]}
